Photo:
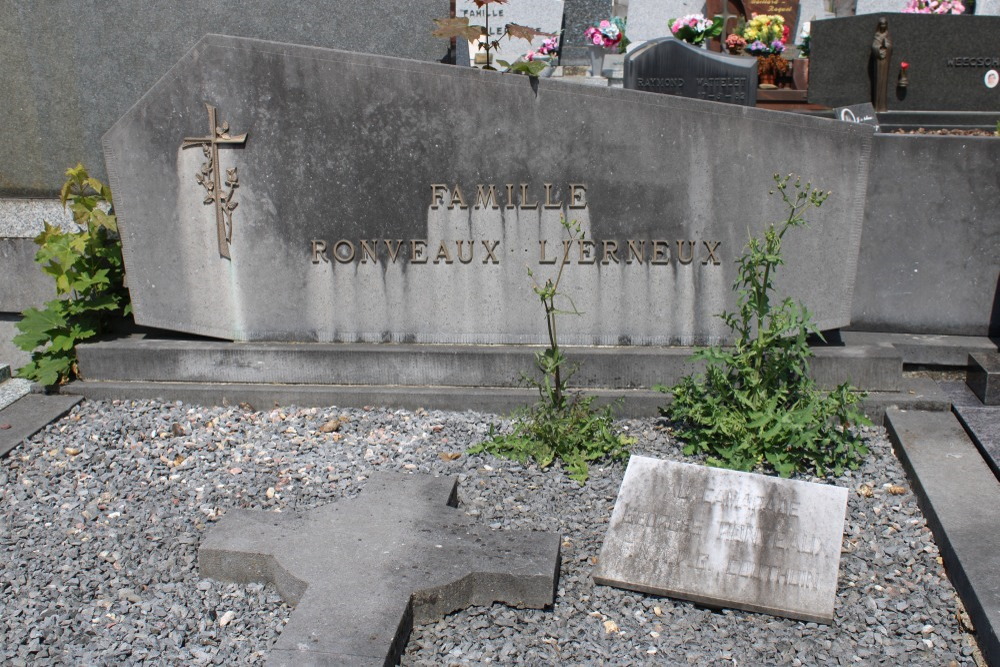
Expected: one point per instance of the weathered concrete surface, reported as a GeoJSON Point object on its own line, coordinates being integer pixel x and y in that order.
{"type": "Point", "coordinates": [984, 376]}
{"type": "Point", "coordinates": [361, 571]}
{"type": "Point", "coordinates": [929, 248]}
{"type": "Point", "coordinates": [983, 426]}
{"type": "Point", "coordinates": [73, 67]}
{"type": "Point", "coordinates": [923, 349]}
{"type": "Point", "coordinates": [870, 368]}
{"type": "Point", "coordinates": [726, 539]}
{"type": "Point", "coordinates": [344, 147]}
{"type": "Point", "coordinates": [959, 496]}
{"type": "Point", "coordinates": [29, 415]}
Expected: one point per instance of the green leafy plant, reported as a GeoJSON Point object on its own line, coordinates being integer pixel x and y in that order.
{"type": "Point", "coordinates": [89, 277]}
{"type": "Point", "coordinates": [755, 405]}
{"type": "Point", "coordinates": [562, 425]}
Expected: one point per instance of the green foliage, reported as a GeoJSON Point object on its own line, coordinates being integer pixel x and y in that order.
{"type": "Point", "coordinates": [756, 405]}
{"type": "Point", "coordinates": [562, 425]}
{"type": "Point", "coordinates": [87, 268]}
{"type": "Point", "coordinates": [529, 67]}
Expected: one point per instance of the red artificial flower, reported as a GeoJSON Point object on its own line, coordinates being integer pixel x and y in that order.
{"type": "Point", "coordinates": [904, 65]}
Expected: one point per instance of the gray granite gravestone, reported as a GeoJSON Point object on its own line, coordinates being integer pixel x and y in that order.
{"type": "Point", "coordinates": [987, 7]}
{"type": "Point", "coordinates": [361, 572]}
{"type": "Point", "coordinates": [947, 73]}
{"type": "Point", "coordinates": [543, 15]}
{"type": "Point", "coordinates": [650, 19]}
{"type": "Point", "coordinates": [879, 7]}
{"type": "Point", "coordinates": [578, 15]}
{"type": "Point", "coordinates": [674, 67]}
{"type": "Point", "coordinates": [726, 539]}
{"type": "Point", "coordinates": [362, 207]}
{"type": "Point", "coordinates": [72, 67]}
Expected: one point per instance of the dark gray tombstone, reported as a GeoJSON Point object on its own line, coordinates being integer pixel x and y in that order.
{"type": "Point", "coordinates": [368, 209]}
{"type": "Point", "coordinates": [361, 572]}
{"type": "Point", "coordinates": [578, 15]}
{"type": "Point", "coordinates": [674, 67]}
{"type": "Point", "coordinates": [949, 60]}
{"type": "Point", "coordinates": [73, 67]}
{"type": "Point", "coordinates": [857, 113]}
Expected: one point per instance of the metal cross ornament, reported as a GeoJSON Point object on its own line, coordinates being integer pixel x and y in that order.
{"type": "Point", "coordinates": [209, 176]}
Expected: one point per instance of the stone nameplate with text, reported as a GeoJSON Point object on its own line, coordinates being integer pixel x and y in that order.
{"type": "Point", "coordinates": [726, 539]}
{"type": "Point", "coordinates": [276, 192]}
{"type": "Point", "coordinates": [674, 67]}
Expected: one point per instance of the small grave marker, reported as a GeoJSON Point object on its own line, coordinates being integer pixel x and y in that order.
{"type": "Point", "coordinates": [673, 67]}
{"type": "Point", "coordinates": [543, 15]}
{"type": "Point", "coordinates": [362, 571]}
{"type": "Point", "coordinates": [726, 539]}
{"type": "Point", "coordinates": [857, 113]}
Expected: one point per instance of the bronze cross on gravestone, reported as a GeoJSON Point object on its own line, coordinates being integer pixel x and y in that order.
{"type": "Point", "coordinates": [361, 572]}
{"type": "Point", "coordinates": [209, 176]}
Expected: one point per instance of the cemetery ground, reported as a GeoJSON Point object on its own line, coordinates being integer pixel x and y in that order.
{"type": "Point", "coordinates": [104, 511]}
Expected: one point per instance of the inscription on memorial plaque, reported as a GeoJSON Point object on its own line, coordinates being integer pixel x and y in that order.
{"type": "Point", "coordinates": [726, 539]}
{"type": "Point", "coordinates": [673, 67]}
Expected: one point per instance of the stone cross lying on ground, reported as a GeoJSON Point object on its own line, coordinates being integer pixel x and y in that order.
{"type": "Point", "coordinates": [361, 572]}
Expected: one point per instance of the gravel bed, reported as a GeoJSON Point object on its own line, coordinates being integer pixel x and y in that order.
{"type": "Point", "coordinates": [103, 511]}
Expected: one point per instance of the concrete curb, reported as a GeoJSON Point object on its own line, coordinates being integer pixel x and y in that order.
{"type": "Point", "coordinates": [959, 496]}
{"type": "Point", "coordinates": [29, 415]}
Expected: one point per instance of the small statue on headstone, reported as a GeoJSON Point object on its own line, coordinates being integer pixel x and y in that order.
{"type": "Point", "coordinates": [881, 59]}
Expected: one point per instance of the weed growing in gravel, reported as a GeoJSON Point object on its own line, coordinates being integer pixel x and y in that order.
{"type": "Point", "coordinates": [562, 425]}
{"type": "Point", "coordinates": [89, 275]}
{"type": "Point", "coordinates": [756, 404]}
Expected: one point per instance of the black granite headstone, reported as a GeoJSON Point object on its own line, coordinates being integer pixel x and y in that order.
{"type": "Point", "coordinates": [949, 58]}
{"type": "Point", "coordinates": [674, 67]}
{"type": "Point", "coordinates": [579, 15]}
{"type": "Point", "coordinates": [857, 113]}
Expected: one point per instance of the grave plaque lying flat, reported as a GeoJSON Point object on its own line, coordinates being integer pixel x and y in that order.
{"type": "Point", "coordinates": [362, 571]}
{"type": "Point", "coordinates": [726, 539]}
{"type": "Point", "coordinates": [674, 67]}
{"type": "Point", "coordinates": [275, 192]}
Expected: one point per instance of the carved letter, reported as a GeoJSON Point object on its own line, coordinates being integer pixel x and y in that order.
{"type": "Point", "coordinates": [485, 198]}
{"type": "Point", "coordinates": [339, 256]}
{"type": "Point", "coordinates": [661, 252]}
{"type": "Point", "coordinates": [548, 198]}
{"type": "Point", "coordinates": [369, 251]}
{"type": "Point", "coordinates": [610, 252]}
{"type": "Point", "coordinates": [541, 254]}
{"type": "Point", "coordinates": [524, 197]}
{"type": "Point", "coordinates": [443, 252]}
{"type": "Point", "coordinates": [711, 247]}
{"type": "Point", "coordinates": [472, 250]}
{"type": "Point", "coordinates": [393, 252]}
{"type": "Point", "coordinates": [489, 252]}
{"type": "Point", "coordinates": [458, 198]}
{"type": "Point", "coordinates": [510, 195]}
{"type": "Point", "coordinates": [577, 195]}
{"type": "Point", "coordinates": [680, 252]}
{"type": "Point", "coordinates": [436, 196]}
{"type": "Point", "coordinates": [636, 251]}
{"type": "Point", "coordinates": [585, 257]}
{"type": "Point", "coordinates": [319, 252]}
{"type": "Point", "coordinates": [417, 252]}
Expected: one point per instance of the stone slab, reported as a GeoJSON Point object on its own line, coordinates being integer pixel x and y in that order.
{"type": "Point", "coordinates": [959, 496]}
{"type": "Point", "coordinates": [671, 66]}
{"type": "Point", "coordinates": [983, 426]}
{"type": "Point", "coordinates": [29, 415]}
{"type": "Point", "coordinates": [578, 15]}
{"type": "Point", "coordinates": [12, 390]}
{"type": "Point", "coordinates": [24, 285]}
{"type": "Point", "coordinates": [984, 376]}
{"type": "Point", "coordinates": [24, 218]}
{"type": "Point", "coordinates": [138, 359]}
{"type": "Point", "coordinates": [987, 7]}
{"type": "Point", "coordinates": [64, 86]}
{"type": "Point", "coordinates": [650, 19]}
{"type": "Point", "coordinates": [306, 106]}
{"type": "Point", "coordinates": [928, 259]}
{"type": "Point", "coordinates": [10, 353]}
{"type": "Point", "coordinates": [360, 572]}
{"type": "Point", "coordinates": [4, 372]}
{"type": "Point", "coordinates": [923, 349]}
{"type": "Point", "coordinates": [879, 7]}
{"type": "Point", "coordinates": [544, 15]}
{"type": "Point", "coordinates": [945, 74]}
{"type": "Point", "coordinates": [726, 539]}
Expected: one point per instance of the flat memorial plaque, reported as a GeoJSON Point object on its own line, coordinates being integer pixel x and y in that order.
{"type": "Point", "coordinates": [726, 539]}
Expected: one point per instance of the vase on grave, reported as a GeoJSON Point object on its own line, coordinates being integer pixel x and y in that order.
{"type": "Point", "coordinates": [800, 73]}
{"type": "Point", "coordinates": [597, 54]}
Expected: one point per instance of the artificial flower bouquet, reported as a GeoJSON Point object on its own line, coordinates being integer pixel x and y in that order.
{"type": "Point", "coordinates": [766, 34]}
{"type": "Point", "coordinates": [934, 7]}
{"type": "Point", "coordinates": [695, 28]}
{"type": "Point", "coordinates": [609, 33]}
